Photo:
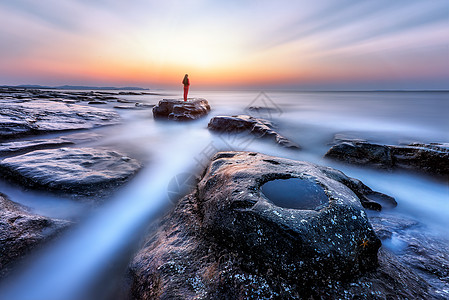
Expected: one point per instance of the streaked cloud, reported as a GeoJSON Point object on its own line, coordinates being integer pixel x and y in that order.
{"type": "Point", "coordinates": [231, 42]}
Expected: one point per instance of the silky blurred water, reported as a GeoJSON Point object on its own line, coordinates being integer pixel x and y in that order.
{"type": "Point", "coordinates": [72, 267]}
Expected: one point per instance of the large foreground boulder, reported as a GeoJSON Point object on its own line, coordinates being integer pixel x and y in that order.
{"type": "Point", "coordinates": [180, 110]}
{"type": "Point", "coordinates": [323, 238]}
{"type": "Point", "coordinates": [258, 127]}
{"type": "Point", "coordinates": [427, 158]}
{"type": "Point", "coordinates": [227, 240]}
{"type": "Point", "coordinates": [32, 117]}
{"type": "Point", "coordinates": [80, 171]}
{"type": "Point", "coordinates": [21, 231]}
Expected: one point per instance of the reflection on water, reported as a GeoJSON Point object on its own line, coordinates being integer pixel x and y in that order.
{"type": "Point", "coordinates": [102, 244]}
{"type": "Point", "coordinates": [295, 193]}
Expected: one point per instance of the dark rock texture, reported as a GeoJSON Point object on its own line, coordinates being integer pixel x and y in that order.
{"type": "Point", "coordinates": [426, 254]}
{"type": "Point", "coordinates": [21, 232]}
{"type": "Point", "coordinates": [258, 127]}
{"type": "Point", "coordinates": [236, 212]}
{"type": "Point", "coordinates": [227, 241]}
{"type": "Point", "coordinates": [83, 171]}
{"type": "Point", "coordinates": [32, 117]}
{"type": "Point", "coordinates": [22, 146]}
{"type": "Point", "coordinates": [180, 110]}
{"type": "Point", "coordinates": [25, 146]}
{"type": "Point", "coordinates": [427, 158]}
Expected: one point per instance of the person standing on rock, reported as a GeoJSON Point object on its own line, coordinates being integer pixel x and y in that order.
{"type": "Point", "coordinates": [186, 83]}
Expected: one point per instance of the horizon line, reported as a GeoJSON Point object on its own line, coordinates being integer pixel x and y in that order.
{"type": "Point", "coordinates": [88, 87]}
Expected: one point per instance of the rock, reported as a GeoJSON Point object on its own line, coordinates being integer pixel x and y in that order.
{"type": "Point", "coordinates": [79, 171]}
{"type": "Point", "coordinates": [96, 102]}
{"type": "Point", "coordinates": [427, 158]}
{"type": "Point", "coordinates": [107, 98]}
{"type": "Point", "coordinates": [26, 146]}
{"type": "Point", "coordinates": [125, 101]}
{"type": "Point", "coordinates": [41, 116]}
{"type": "Point", "coordinates": [427, 255]}
{"type": "Point", "coordinates": [22, 231]}
{"type": "Point", "coordinates": [258, 127]}
{"type": "Point", "coordinates": [235, 211]}
{"type": "Point", "coordinates": [370, 199]}
{"type": "Point", "coordinates": [390, 280]}
{"type": "Point", "coordinates": [181, 110]}
{"type": "Point", "coordinates": [18, 147]}
{"type": "Point", "coordinates": [135, 106]}
{"type": "Point", "coordinates": [226, 240]}
{"type": "Point", "coordinates": [362, 153]}
{"type": "Point", "coordinates": [144, 105]}
{"type": "Point", "coordinates": [124, 107]}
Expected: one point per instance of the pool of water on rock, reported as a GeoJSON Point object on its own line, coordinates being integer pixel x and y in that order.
{"type": "Point", "coordinates": [295, 193]}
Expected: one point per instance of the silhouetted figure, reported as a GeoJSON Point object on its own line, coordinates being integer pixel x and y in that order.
{"type": "Point", "coordinates": [186, 83]}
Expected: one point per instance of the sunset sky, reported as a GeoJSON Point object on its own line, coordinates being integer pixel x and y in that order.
{"type": "Point", "coordinates": [285, 44]}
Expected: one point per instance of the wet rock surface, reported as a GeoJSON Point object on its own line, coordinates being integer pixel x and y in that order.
{"type": "Point", "coordinates": [33, 117]}
{"type": "Point", "coordinates": [180, 110]}
{"type": "Point", "coordinates": [80, 171]}
{"type": "Point", "coordinates": [425, 254]}
{"type": "Point", "coordinates": [30, 145]}
{"type": "Point", "coordinates": [426, 158]}
{"type": "Point", "coordinates": [236, 211]}
{"type": "Point", "coordinates": [22, 146]}
{"type": "Point", "coordinates": [22, 231]}
{"type": "Point", "coordinates": [258, 127]}
{"type": "Point", "coordinates": [227, 241]}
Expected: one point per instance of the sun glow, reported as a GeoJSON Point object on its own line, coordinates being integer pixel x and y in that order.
{"type": "Point", "coordinates": [153, 43]}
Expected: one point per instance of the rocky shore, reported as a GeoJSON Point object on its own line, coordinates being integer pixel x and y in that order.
{"type": "Point", "coordinates": [80, 171]}
{"type": "Point", "coordinates": [227, 240]}
{"type": "Point", "coordinates": [238, 235]}
{"type": "Point", "coordinates": [56, 163]}
{"type": "Point", "coordinates": [22, 231]}
{"type": "Point", "coordinates": [430, 159]}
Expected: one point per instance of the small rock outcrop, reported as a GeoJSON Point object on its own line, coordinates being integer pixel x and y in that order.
{"type": "Point", "coordinates": [227, 240]}
{"type": "Point", "coordinates": [79, 171]}
{"type": "Point", "coordinates": [180, 110]}
{"type": "Point", "coordinates": [258, 127]}
{"type": "Point", "coordinates": [427, 158]}
{"type": "Point", "coordinates": [21, 231]}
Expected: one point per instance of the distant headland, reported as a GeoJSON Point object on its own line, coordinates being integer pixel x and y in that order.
{"type": "Point", "coordinates": [72, 87]}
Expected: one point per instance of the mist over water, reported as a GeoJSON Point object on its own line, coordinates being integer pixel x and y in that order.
{"type": "Point", "coordinates": [109, 233]}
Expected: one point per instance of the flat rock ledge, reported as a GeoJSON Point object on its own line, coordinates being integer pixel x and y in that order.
{"type": "Point", "coordinates": [258, 127]}
{"type": "Point", "coordinates": [226, 240]}
{"type": "Point", "coordinates": [79, 171]}
{"type": "Point", "coordinates": [431, 158]}
{"type": "Point", "coordinates": [180, 110]}
{"type": "Point", "coordinates": [22, 231]}
{"type": "Point", "coordinates": [33, 117]}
